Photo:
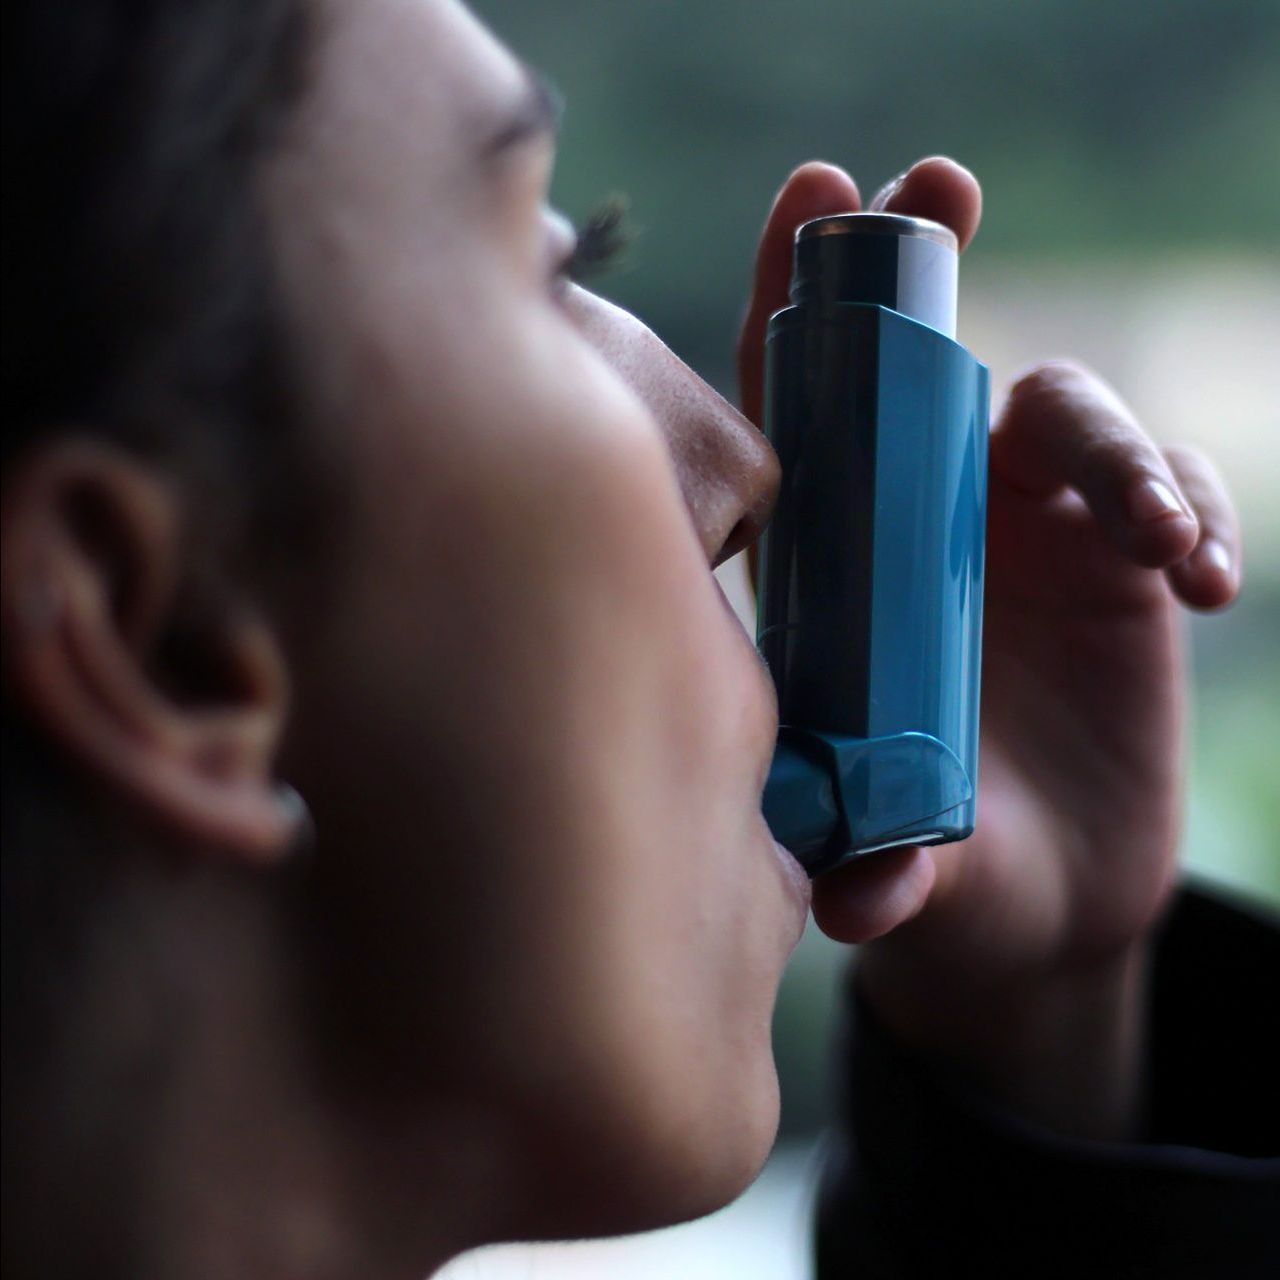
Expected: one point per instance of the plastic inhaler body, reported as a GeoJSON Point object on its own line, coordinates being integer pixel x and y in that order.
{"type": "Point", "coordinates": [871, 570]}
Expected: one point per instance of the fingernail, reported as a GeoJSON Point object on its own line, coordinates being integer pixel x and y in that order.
{"type": "Point", "coordinates": [1151, 500]}
{"type": "Point", "coordinates": [1215, 553]}
{"type": "Point", "coordinates": [887, 194]}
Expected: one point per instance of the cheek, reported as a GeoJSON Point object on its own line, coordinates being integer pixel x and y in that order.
{"type": "Point", "coordinates": [536, 781]}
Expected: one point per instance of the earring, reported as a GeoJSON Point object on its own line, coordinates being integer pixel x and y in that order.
{"type": "Point", "coordinates": [301, 825]}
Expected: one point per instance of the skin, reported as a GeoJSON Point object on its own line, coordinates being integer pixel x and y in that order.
{"type": "Point", "coordinates": [521, 983]}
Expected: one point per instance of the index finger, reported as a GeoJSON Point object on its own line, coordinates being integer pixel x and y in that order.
{"type": "Point", "coordinates": [813, 190]}
{"type": "Point", "coordinates": [937, 188]}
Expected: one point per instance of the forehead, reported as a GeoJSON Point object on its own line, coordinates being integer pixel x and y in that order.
{"type": "Point", "coordinates": [420, 79]}
{"type": "Point", "coordinates": [381, 207]}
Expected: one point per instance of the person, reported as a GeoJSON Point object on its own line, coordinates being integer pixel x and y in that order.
{"type": "Point", "coordinates": [320, 467]}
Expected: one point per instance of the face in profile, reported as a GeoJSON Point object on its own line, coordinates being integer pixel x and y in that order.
{"type": "Point", "coordinates": [522, 982]}
{"type": "Point", "coordinates": [532, 732]}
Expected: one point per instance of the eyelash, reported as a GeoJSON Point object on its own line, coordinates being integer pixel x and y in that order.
{"type": "Point", "coordinates": [600, 243]}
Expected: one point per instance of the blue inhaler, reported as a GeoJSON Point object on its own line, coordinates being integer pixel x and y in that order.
{"type": "Point", "coordinates": [870, 572]}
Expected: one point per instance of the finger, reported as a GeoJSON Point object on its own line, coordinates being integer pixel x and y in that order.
{"type": "Point", "coordinates": [812, 191]}
{"type": "Point", "coordinates": [1062, 426]}
{"type": "Point", "coordinates": [1209, 577]}
{"type": "Point", "coordinates": [936, 188]}
{"type": "Point", "coordinates": [866, 898]}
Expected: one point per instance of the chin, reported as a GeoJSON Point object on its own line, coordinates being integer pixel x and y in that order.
{"type": "Point", "coordinates": [678, 1164]}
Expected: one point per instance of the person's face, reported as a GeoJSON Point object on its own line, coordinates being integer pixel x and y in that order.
{"type": "Point", "coordinates": [532, 732]}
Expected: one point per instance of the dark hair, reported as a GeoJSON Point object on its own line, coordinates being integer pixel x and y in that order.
{"type": "Point", "coordinates": [137, 292]}
{"type": "Point", "coordinates": [138, 305]}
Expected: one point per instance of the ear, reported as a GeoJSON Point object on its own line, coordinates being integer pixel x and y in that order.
{"type": "Point", "coordinates": [170, 698]}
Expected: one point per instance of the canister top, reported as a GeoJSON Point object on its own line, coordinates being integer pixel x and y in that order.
{"type": "Point", "coordinates": [890, 260]}
{"type": "Point", "coordinates": [883, 224]}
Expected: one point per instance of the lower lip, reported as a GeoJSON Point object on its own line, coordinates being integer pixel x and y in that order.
{"type": "Point", "coordinates": [799, 886]}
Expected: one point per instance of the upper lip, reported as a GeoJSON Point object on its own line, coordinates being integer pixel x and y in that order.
{"type": "Point", "coordinates": [766, 683]}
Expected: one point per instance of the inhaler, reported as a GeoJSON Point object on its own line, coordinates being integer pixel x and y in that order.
{"type": "Point", "coordinates": [870, 573]}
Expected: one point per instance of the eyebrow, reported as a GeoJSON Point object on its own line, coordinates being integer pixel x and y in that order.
{"type": "Point", "coordinates": [536, 112]}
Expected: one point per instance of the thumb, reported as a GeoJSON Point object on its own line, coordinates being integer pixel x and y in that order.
{"type": "Point", "coordinates": [873, 894]}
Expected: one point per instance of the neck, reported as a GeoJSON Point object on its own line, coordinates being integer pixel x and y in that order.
{"type": "Point", "coordinates": [183, 1131]}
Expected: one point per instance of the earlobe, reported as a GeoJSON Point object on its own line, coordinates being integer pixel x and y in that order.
{"type": "Point", "coordinates": [170, 698]}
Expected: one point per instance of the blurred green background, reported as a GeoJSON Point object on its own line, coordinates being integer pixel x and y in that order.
{"type": "Point", "coordinates": [1131, 164]}
{"type": "Point", "coordinates": [1099, 129]}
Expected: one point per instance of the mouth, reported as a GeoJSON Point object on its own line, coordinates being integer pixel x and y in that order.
{"type": "Point", "coordinates": [799, 888]}
{"type": "Point", "coordinates": [758, 686]}
{"type": "Point", "coordinates": [798, 885]}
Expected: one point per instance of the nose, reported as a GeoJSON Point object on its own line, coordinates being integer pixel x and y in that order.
{"type": "Point", "coordinates": [728, 471]}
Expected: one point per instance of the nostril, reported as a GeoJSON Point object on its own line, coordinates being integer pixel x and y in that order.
{"type": "Point", "coordinates": [751, 522]}
{"type": "Point", "coordinates": [755, 485]}
{"type": "Point", "coordinates": [742, 535]}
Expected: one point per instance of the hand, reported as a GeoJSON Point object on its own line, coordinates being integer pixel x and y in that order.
{"type": "Point", "coordinates": [1020, 952]}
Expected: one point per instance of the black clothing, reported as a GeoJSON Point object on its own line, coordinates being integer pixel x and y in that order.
{"type": "Point", "coordinates": [932, 1179]}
